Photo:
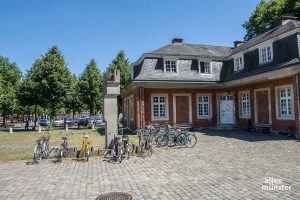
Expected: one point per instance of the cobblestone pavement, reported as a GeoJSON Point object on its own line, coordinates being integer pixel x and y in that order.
{"type": "Point", "coordinates": [223, 165]}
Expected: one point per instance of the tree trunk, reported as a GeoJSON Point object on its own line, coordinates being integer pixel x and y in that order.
{"type": "Point", "coordinates": [35, 116]}
{"type": "Point", "coordinates": [4, 119]}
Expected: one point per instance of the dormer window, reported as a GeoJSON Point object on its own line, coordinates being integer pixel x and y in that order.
{"type": "Point", "coordinates": [238, 63]}
{"type": "Point", "coordinates": [265, 54]}
{"type": "Point", "coordinates": [205, 67]}
{"type": "Point", "coordinates": [170, 66]}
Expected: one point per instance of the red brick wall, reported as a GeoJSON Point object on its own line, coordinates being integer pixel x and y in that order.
{"type": "Point", "coordinates": [277, 125]}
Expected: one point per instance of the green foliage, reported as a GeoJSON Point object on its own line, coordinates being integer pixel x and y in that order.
{"type": "Point", "coordinates": [47, 82]}
{"type": "Point", "coordinates": [10, 76]}
{"type": "Point", "coordinates": [90, 87]}
{"type": "Point", "coordinates": [262, 18]}
{"type": "Point", "coordinates": [73, 101]}
{"type": "Point", "coordinates": [121, 63]}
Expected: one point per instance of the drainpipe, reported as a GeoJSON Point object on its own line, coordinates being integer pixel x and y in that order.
{"type": "Point", "coordinates": [298, 103]}
{"type": "Point", "coordinates": [141, 111]}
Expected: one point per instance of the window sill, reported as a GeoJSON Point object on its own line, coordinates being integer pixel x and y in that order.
{"type": "Point", "coordinates": [160, 119]}
{"type": "Point", "coordinates": [264, 63]}
{"type": "Point", "coordinates": [204, 117]}
{"type": "Point", "coordinates": [285, 118]}
{"type": "Point", "coordinates": [206, 74]}
{"type": "Point", "coordinates": [245, 116]}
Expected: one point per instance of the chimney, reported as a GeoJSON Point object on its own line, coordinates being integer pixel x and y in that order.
{"type": "Point", "coordinates": [177, 41]}
{"type": "Point", "coordinates": [282, 20]}
{"type": "Point", "coordinates": [238, 43]}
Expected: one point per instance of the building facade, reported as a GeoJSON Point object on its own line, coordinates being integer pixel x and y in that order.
{"type": "Point", "coordinates": [207, 86]}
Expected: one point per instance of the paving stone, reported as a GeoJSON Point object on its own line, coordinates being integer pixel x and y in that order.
{"type": "Point", "coordinates": [223, 165]}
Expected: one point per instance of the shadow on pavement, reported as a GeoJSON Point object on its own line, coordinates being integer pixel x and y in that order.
{"type": "Point", "coordinates": [245, 135]}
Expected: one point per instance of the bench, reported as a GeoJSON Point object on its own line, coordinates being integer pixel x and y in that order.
{"type": "Point", "coordinates": [265, 128]}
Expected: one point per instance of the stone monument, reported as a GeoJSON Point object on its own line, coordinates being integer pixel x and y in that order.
{"type": "Point", "coordinates": [111, 92]}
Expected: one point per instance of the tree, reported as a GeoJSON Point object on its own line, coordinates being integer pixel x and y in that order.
{"type": "Point", "coordinates": [73, 102]}
{"type": "Point", "coordinates": [10, 76]}
{"type": "Point", "coordinates": [121, 63]}
{"type": "Point", "coordinates": [90, 87]}
{"type": "Point", "coordinates": [262, 18]}
{"type": "Point", "coordinates": [29, 94]}
{"type": "Point", "coordinates": [54, 80]}
{"type": "Point", "coordinates": [47, 82]}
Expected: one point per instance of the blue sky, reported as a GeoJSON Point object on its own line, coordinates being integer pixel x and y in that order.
{"type": "Point", "coordinates": [101, 28]}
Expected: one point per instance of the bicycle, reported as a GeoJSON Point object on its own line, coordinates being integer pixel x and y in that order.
{"type": "Point", "coordinates": [181, 136]}
{"type": "Point", "coordinates": [145, 144]}
{"type": "Point", "coordinates": [63, 149]}
{"type": "Point", "coordinates": [41, 149]}
{"type": "Point", "coordinates": [166, 133]}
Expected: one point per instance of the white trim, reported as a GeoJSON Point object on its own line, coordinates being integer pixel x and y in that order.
{"type": "Point", "coordinates": [242, 64]}
{"type": "Point", "coordinates": [171, 60]}
{"type": "Point", "coordinates": [298, 39]}
{"type": "Point", "coordinates": [218, 105]}
{"type": "Point", "coordinates": [278, 117]}
{"type": "Point", "coordinates": [265, 46]}
{"type": "Point", "coordinates": [190, 106]}
{"type": "Point", "coordinates": [210, 67]}
{"type": "Point", "coordinates": [241, 106]}
{"type": "Point", "coordinates": [269, 103]}
{"type": "Point", "coordinates": [210, 106]}
{"type": "Point", "coordinates": [166, 106]}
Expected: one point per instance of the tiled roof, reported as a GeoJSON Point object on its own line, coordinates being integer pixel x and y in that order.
{"type": "Point", "coordinates": [183, 49]}
{"type": "Point", "coordinates": [267, 35]}
{"type": "Point", "coordinates": [152, 70]}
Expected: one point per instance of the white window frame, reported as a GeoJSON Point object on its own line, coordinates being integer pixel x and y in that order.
{"type": "Point", "coordinates": [171, 69]}
{"type": "Point", "coordinates": [268, 58]}
{"type": "Point", "coordinates": [209, 116]}
{"type": "Point", "coordinates": [206, 64]}
{"type": "Point", "coordinates": [166, 107]}
{"type": "Point", "coordinates": [238, 63]}
{"type": "Point", "coordinates": [241, 102]}
{"type": "Point", "coordinates": [278, 102]}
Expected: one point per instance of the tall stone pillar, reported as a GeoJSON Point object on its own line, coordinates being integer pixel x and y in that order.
{"type": "Point", "coordinates": [111, 92]}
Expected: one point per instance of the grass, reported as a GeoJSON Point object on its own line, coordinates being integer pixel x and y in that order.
{"type": "Point", "coordinates": [20, 145]}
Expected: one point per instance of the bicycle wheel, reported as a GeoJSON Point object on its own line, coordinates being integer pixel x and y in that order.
{"type": "Point", "coordinates": [191, 141]}
{"type": "Point", "coordinates": [149, 150]}
{"type": "Point", "coordinates": [37, 154]}
{"type": "Point", "coordinates": [161, 141]}
{"type": "Point", "coordinates": [172, 140]}
{"type": "Point", "coordinates": [127, 151]}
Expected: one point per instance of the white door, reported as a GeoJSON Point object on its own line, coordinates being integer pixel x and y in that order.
{"type": "Point", "coordinates": [226, 110]}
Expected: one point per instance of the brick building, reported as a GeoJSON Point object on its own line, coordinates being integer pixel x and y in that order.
{"type": "Point", "coordinates": [213, 86]}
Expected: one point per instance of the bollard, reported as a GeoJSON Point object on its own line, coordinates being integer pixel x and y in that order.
{"type": "Point", "coordinates": [93, 126]}
{"type": "Point", "coordinates": [67, 129]}
{"type": "Point", "coordinates": [10, 130]}
{"type": "Point", "coordinates": [40, 129]}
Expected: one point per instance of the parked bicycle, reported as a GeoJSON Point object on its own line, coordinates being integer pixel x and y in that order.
{"type": "Point", "coordinates": [63, 149]}
{"type": "Point", "coordinates": [145, 143]}
{"type": "Point", "coordinates": [182, 136]}
{"type": "Point", "coordinates": [41, 149]}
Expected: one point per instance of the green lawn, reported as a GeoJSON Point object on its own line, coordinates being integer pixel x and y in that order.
{"type": "Point", "coordinates": [20, 145]}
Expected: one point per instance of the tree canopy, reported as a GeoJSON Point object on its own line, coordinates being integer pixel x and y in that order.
{"type": "Point", "coordinates": [90, 87]}
{"type": "Point", "coordinates": [121, 63]}
{"type": "Point", "coordinates": [10, 77]}
{"type": "Point", "coordinates": [262, 18]}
